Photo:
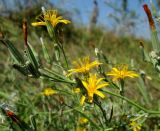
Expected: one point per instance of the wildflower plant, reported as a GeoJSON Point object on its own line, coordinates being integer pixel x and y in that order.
{"type": "Point", "coordinates": [48, 92]}
{"type": "Point", "coordinates": [92, 85]}
{"type": "Point", "coordinates": [83, 65]}
{"type": "Point", "coordinates": [135, 126]}
{"type": "Point", "coordinates": [78, 103]}
{"type": "Point", "coordinates": [121, 72]}
{"type": "Point", "coordinates": [153, 55]}
{"type": "Point", "coordinates": [51, 16]}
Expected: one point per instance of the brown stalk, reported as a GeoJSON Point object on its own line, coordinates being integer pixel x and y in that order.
{"type": "Point", "coordinates": [149, 15]}
{"type": "Point", "coordinates": [25, 32]}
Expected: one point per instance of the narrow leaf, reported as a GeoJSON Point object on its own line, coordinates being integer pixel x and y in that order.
{"type": "Point", "coordinates": [14, 52]}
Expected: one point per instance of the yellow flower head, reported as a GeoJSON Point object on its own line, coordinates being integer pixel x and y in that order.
{"type": "Point", "coordinates": [77, 90]}
{"type": "Point", "coordinates": [121, 72]}
{"type": "Point", "coordinates": [135, 125]}
{"type": "Point", "coordinates": [83, 120]}
{"type": "Point", "coordinates": [83, 65]}
{"type": "Point", "coordinates": [82, 100]}
{"type": "Point", "coordinates": [51, 16]}
{"type": "Point", "coordinates": [92, 86]}
{"type": "Point", "coordinates": [48, 92]}
{"type": "Point", "coordinates": [81, 129]}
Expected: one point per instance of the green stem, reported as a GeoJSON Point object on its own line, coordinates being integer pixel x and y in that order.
{"type": "Point", "coordinates": [62, 49]}
{"type": "Point", "coordinates": [102, 110]}
{"type": "Point", "coordinates": [64, 54]}
{"type": "Point", "coordinates": [94, 124]}
{"type": "Point", "coordinates": [71, 110]}
{"type": "Point", "coordinates": [133, 103]}
{"type": "Point", "coordinates": [122, 87]}
{"type": "Point", "coordinates": [122, 93]}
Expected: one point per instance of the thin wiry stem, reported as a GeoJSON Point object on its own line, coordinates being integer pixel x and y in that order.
{"type": "Point", "coordinates": [133, 103]}
{"type": "Point", "coordinates": [62, 49]}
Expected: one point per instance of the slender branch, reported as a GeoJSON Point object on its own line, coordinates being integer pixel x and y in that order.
{"type": "Point", "coordinates": [102, 110]}
{"type": "Point", "coordinates": [61, 47]}
{"type": "Point", "coordinates": [133, 103]}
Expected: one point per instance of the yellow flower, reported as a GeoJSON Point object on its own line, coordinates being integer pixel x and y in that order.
{"type": "Point", "coordinates": [81, 129]}
{"type": "Point", "coordinates": [135, 126]}
{"type": "Point", "coordinates": [82, 100]}
{"type": "Point", "coordinates": [92, 86]}
{"type": "Point", "coordinates": [121, 72]}
{"type": "Point", "coordinates": [51, 16]}
{"type": "Point", "coordinates": [83, 65]}
{"type": "Point", "coordinates": [48, 92]}
{"type": "Point", "coordinates": [83, 120]}
{"type": "Point", "coordinates": [76, 90]}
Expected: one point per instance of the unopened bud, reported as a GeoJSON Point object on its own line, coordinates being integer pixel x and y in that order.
{"type": "Point", "coordinates": [25, 33]}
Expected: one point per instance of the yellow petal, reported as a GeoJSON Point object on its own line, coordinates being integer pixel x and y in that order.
{"type": "Point", "coordinates": [83, 120]}
{"type": "Point", "coordinates": [115, 69]}
{"type": "Point", "coordinates": [48, 92]}
{"type": "Point", "coordinates": [94, 63]}
{"type": "Point", "coordinates": [38, 23]}
{"type": "Point", "coordinates": [99, 80]}
{"type": "Point", "coordinates": [102, 85]}
{"type": "Point", "coordinates": [59, 17]}
{"type": "Point", "coordinates": [100, 94]}
{"type": "Point", "coordinates": [82, 100]}
{"type": "Point", "coordinates": [111, 74]}
{"type": "Point", "coordinates": [65, 21]}
{"type": "Point", "coordinates": [85, 84]}
{"type": "Point", "coordinates": [76, 90]}
{"type": "Point", "coordinates": [81, 129]}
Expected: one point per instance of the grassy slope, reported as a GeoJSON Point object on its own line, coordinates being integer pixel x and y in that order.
{"type": "Point", "coordinates": [78, 43]}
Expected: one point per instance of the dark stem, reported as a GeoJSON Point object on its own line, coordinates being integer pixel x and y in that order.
{"type": "Point", "coordinates": [102, 110]}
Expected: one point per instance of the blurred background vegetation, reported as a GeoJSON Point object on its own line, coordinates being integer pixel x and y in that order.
{"type": "Point", "coordinates": [120, 44]}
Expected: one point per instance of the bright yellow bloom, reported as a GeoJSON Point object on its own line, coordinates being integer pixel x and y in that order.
{"type": "Point", "coordinates": [81, 129]}
{"type": "Point", "coordinates": [48, 92]}
{"type": "Point", "coordinates": [82, 100]}
{"type": "Point", "coordinates": [135, 126]}
{"type": "Point", "coordinates": [76, 90]}
{"type": "Point", "coordinates": [51, 16]}
{"type": "Point", "coordinates": [83, 120]}
{"type": "Point", "coordinates": [83, 65]}
{"type": "Point", "coordinates": [92, 86]}
{"type": "Point", "coordinates": [121, 72]}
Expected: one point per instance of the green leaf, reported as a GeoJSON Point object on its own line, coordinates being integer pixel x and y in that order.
{"type": "Point", "coordinates": [145, 54]}
{"type": "Point", "coordinates": [32, 57]}
{"type": "Point", "coordinates": [45, 52]}
{"type": "Point", "coordinates": [22, 69]}
{"type": "Point", "coordinates": [33, 122]}
{"type": "Point", "coordinates": [55, 76]}
{"type": "Point", "coordinates": [13, 51]}
{"type": "Point", "coordinates": [143, 91]}
{"type": "Point", "coordinates": [33, 70]}
{"type": "Point", "coordinates": [155, 41]}
{"type": "Point", "coordinates": [111, 114]}
{"type": "Point", "coordinates": [50, 29]}
{"type": "Point", "coordinates": [13, 119]}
